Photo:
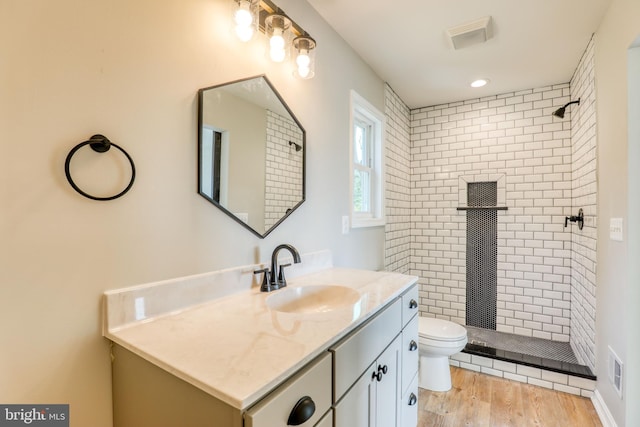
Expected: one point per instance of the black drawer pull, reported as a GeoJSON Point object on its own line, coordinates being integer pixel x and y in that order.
{"type": "Point", "coordinates": [377, 376]}
{"type": "Point", "coordinates": [413, 399]}
{"type": "Point", "coordinates": [384, 369]}
{"type": "Point", "coordinates": [302, 411]}
{"type": "Point", "coordinates": [413, 346]}
{"type": "Point", "coordinates": [413, 304]}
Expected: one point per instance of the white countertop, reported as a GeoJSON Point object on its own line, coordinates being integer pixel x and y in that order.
{"type": "Point", "coordinates": [236, 349]}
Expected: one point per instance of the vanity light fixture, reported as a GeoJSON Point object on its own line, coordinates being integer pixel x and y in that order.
{"type": "Point", "coordinates": [279, 29]}
{"type": "Point", "coordinates": [305, 50]}
{"type": "Point", "coordinates": [245, 17]}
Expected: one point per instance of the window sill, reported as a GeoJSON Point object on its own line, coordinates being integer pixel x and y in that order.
{"type": "Point", "coordinates": [364, 223]}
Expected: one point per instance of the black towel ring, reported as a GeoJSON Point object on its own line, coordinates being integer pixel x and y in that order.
{"type": "Point", "coordinates": [100, 144]}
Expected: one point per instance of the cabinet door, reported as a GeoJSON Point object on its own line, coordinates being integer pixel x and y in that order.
{"type": "Point", "coordinates": [356, 408]}
{"type": "Point", "coordinates": [388, 385]}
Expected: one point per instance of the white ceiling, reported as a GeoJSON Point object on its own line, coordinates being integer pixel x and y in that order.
{"type": "Point", "coordinates": [535, 43]}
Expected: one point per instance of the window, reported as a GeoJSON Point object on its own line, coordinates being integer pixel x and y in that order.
{"type": "Point", "coordinates": [366, 163]}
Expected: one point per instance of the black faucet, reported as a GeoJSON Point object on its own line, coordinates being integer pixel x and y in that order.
{"type": "Point", "coordinates": [274, 279]}
{"type": "Point", "coordinates": [278, 281]}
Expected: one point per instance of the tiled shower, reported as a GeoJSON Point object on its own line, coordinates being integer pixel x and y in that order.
{"type": "Point", "coordinates": [283, 186]}
{"type": "Point", "coordinates": [544, 169]}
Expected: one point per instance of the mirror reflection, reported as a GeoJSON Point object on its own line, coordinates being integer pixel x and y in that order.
{"type": "Point", "coordinates": [251, 153]}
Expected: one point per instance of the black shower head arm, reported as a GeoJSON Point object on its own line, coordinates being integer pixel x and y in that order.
{"type": "Point", "coordinates": [572, 102]}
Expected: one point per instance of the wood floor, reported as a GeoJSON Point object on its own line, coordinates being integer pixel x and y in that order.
{"type": "Point", "coordinates": [481, 400]}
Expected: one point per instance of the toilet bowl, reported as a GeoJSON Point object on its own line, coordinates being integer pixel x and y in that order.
{"type": "Point", "coordinates": [438, 340]}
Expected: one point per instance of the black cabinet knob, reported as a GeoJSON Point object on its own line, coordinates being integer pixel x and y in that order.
{"type": "Point", "coordinates": [383, 369]}
{"type": "Point", "coordinates": [413, 304]}
{"type": "Point", "coordinates": [413, 399]}
{"type": "Point", "coordinates": [376, 376]}
{"type": "Point", "coordinates": [413, 346]}
{"type": "Point", "coordinates": [302, 411]}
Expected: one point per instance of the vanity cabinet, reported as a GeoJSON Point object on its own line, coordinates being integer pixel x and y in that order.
{"type": "Point", "coordinates": [368, 378]}
{"type": "Point", "coordinates": [376, 367]}
{"type": "Point", "coordinates": [147, 396]}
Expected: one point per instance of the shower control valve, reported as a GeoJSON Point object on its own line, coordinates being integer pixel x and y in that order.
{"type": "Point", "coordinates": [575, 218]}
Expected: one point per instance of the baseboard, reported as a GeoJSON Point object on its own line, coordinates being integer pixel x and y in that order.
{"type": "Point", "coordinates": [603, 412]}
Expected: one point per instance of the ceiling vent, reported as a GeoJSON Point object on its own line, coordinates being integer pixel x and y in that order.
{"type": "Point", "coordinates": [474, 32]}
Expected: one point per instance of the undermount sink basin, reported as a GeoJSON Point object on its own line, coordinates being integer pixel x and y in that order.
{"type": "Point", "coordinates": [312, 299]}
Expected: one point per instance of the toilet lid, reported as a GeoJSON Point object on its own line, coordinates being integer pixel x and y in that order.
{"type": "Point", "coordinates": [439, 329]}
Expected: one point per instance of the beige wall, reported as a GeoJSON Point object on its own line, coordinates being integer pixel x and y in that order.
{"type": "Point", "coordinates": [131, 70]}
{"type": "Point", "coordinates": [633, 369]}
{"type": "Point", "coordinates": [246, 124]}
{"type": "Point", "coordinates": [616, 321]}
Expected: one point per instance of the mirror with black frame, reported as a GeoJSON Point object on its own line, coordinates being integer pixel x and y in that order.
{"type": "Point", "coordinates": [251, 153]}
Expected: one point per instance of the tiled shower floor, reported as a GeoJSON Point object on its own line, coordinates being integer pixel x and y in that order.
{"type": "Point", "coordinates": [552, 355]}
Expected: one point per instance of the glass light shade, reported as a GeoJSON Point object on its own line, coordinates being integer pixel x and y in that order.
{"type": "Point", "coordinates": [277, 30]}
{"type": "Point", "coordinates": [304, 48]}
{"type": "Point", "coordinates": [245, 19]}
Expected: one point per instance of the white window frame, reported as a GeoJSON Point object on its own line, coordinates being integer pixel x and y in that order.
{"type": "Point", "coordinates": [361, 110]}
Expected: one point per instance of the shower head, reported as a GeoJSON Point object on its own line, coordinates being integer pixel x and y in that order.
{"type": "Point", "coordinates": [560, 111]}
{"type": "Point", "coordinates": [298, 147]}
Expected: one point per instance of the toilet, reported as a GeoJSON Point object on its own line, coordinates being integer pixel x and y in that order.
{"type": "Point", "coordinates": [438, 340]}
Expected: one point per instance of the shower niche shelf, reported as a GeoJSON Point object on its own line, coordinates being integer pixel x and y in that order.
{"type": "Point", "coordinates": [469, 208]}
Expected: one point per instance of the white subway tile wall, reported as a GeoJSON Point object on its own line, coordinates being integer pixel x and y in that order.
{"type": "Point", "coordinates": [545, 168]}
{"type": "Point", "coordinates": [584, 186]}
{"type": "Point", "coordinates": [283, 183]}
{"type": "Point", "coordinates": [397, 184]}
{"type": "Point", "coordinates": [513, 136]}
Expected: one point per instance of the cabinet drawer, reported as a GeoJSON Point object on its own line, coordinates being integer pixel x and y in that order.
{"type": "Point", "coordinates": [409, 352]}
{"type": "Point", "coordinates": [354, 354]}
{"type": "Point", "coordinates": [410, 301]}
{"type": "Point", "coordinates": [409, 405]}
{"type": "Point", "coordinates": [313, 381]}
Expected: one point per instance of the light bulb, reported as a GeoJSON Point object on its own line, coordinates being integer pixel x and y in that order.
{"type": "Point", "coordinates": [303, 60]}
{"type": "Point", "coordinates": [304, 46]}
{"type": "Point", "coordinates": [303, 72]}
{"type": "Point", "coordinates": [243, 16]}
{"type": "Point", "coordinates": [244, 33]}
{"type": "Point", "coordinates": [244, 19]}
{"type": "Point", "coordinates": [276, 43]}
{"type": "Point", "coordinates": [277, 55]}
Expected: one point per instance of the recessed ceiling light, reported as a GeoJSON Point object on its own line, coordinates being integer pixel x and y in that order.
{"type": "Point", "coordinates": [479, 82]}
